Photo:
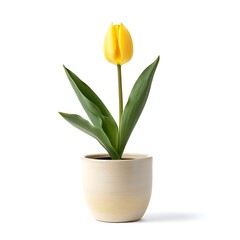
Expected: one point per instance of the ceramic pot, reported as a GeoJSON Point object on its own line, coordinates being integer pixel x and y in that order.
{"type": "Point", "coordinates": [117, 190]}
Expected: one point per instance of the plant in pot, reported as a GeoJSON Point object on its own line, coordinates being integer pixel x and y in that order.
{"type": "Point", "coordinates": [117, 185]}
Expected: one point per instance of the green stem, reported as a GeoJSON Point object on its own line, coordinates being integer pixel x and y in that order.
{"type": "Point", "coordinates": [120, 95]}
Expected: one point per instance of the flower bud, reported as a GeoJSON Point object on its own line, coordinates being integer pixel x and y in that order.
{"type": "Point", "coordinates": [118, 46]}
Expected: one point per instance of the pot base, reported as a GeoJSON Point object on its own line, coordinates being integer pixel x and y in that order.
{"type": "Point", "coordinates": [114, 221]}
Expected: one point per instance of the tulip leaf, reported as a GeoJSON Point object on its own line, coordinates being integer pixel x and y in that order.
{"type": "Point", "coordinates": [94, 107]}
{"type": "Point", "coordinates": [135, 104]}
{"type": "Point", "coordinates": [94, 131]}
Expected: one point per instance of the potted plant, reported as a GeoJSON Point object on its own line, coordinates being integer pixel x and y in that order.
{"type": "Point", "coordinates": [117, 185]}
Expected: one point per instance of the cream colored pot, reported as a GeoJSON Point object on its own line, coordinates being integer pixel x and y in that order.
{"type": "Point", "coordinates": [117, 190]}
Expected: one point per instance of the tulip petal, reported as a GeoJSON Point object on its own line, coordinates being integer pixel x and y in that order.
{"type": "Point", "coordinates": [125, 44]}
{"type": "Point", "coordinates": [110, 44]}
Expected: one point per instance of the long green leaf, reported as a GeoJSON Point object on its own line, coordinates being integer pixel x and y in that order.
{"type": "Point", "coordinates": [94, 107]}
{"type": "Point", "coordinates": [135, 104]}
{"type": "Point", "coordinates": [94, 131]}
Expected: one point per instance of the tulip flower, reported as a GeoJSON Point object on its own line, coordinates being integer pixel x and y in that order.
{"type": "Point", "coordinates": [118, 49]}
{"type": "Point", "coordinates": [118, 46]}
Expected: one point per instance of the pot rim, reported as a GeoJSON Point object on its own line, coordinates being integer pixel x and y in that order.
{"type": "Point", "coordinates": [126, 157]}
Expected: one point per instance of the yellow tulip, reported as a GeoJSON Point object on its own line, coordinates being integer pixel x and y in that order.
{"type": "Point", "coordinates": [118, 46]}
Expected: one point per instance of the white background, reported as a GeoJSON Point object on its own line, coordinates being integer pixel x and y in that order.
{"type": "Point", "coordinates": [190, 125]}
